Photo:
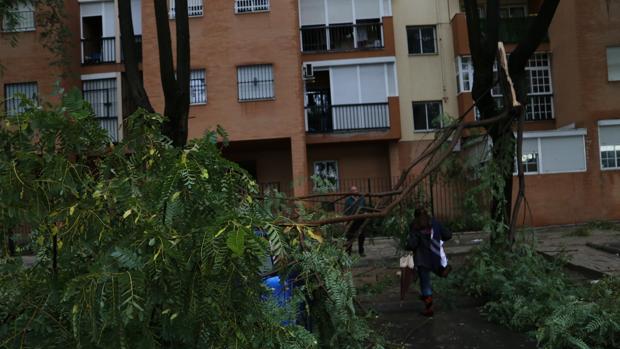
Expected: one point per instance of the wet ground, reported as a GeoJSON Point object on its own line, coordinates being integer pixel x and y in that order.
{"type": "Point", "coordinates": [457, 323]}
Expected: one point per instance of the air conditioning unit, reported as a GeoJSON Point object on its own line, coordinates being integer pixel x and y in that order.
{"type": "Point", "coordinates": [307, 71]}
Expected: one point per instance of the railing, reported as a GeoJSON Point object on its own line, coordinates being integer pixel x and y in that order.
{"type": "Point", "coordinates": [347, 37]}
{"type": "Point", "coordinates": [98, 50]}
{"type": "Point", "coordinates": [247, 6]}
{"type": "Point", "coordinates": [194, 8]}
{"type": "Point", "coordinates": [23, 21]}
{"type": "Point", "coordinates": [512, 29]}
{"type": "Point", "coordinates": [350, 117]}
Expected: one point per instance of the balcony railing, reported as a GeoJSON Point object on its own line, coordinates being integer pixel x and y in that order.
{"type": "Point", "coordinates": [98, 50]}
{"type": "Point", "coordinates": [512, 29]}
{"type": "Point", "coordinates": [23, 21]}
{"type": "Point", "coordinates": [349, 117]}
{"type": "Point", "coordinates": [339, 37]}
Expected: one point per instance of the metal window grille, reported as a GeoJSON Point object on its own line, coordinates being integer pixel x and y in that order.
{"type": "Point", "coordinates": [422, 40]}
{"type": "Point", "coordinates": [327, 172]}
{"type": "Point", "coordinates": [197, 87]}
{"type": "Point", "coordinates": [427, 116]}
{"type": "Point", "coordinates": [255, 82]}
{"type": "Point", "coordinates": [245, 6]}
{"type": "Point", "coordinates": [194, 8]}
{"type": "Point", "coordinates": [13, 94]}
{"type": "Point", "coordinates": [20, 19]}
{"type": "Point", "coordinates": [540, 94]}
{"type": "Point", "coordinates": [101, 94]}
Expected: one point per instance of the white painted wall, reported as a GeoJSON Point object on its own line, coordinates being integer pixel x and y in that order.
{"type": "Point", "coordinates": [314, 12]}
{"type": "Point", "coordinates": [106, 10]}
{"type": "Point", "coordinates": [425, 77]}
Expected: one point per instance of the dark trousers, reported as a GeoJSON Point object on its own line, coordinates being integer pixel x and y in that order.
{"type": "Point", "coordinates": [350, 235]}
{"type": "Point", "coordinates": [424, 274]}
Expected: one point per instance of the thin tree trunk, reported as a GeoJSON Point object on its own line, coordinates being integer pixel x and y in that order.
{"type": "Point", "coordinates": [130, 55]}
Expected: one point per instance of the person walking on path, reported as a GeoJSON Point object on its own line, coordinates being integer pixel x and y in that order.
{"type": "Point", "coordinates": [354, 204]}
{"type": "Point", "coordinates": [425, 239]}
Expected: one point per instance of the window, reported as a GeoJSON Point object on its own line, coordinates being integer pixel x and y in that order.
{"type": "Point", "coordinates": [255, 82]}
{"type": "Point", "coordinates": [13, 94]}
{"type": "Point", "coordinates": [247, 6]}
{"type": "Point", "coordinates": [421, 40]}
{"type": "Point", "coordinates": [529, 158]}
{"type": "Point", "coordinates": [19, 19]}
{"type": "Point", "coordinates": [197, 87]}
{"type": "Point", "coordinates": [426, 116]}
{"type": "Point", "coordinates": [540, 94]}
{"type": "Point", "coordinates": [327, 173]}
{"type": "Point", "coordinates": [101, 94]}
{"type": "Point", "coordinates": [465, 74]}
{"type": "Point", "coordinates": [613, 63]}
{"type": "Point", "coordinates": [512, 11]}
{"type": "Point", "coordinates": [194, 8]}
{"type": "Point", "coordinates": [554, 151]}
{"type": "Point", "coordinates": [609, 143]}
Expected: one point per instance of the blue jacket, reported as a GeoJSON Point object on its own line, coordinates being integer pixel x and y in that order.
{"type": "Point", "coordinates": [426, 251]}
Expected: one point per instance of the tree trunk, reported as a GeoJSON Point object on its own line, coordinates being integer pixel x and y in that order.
{"type": "Point", "coordinates": [130, 55]}
{"type": "Point", "coordinates": [483, 47]}
{"type": "Point", "coordinates": [176, 90]}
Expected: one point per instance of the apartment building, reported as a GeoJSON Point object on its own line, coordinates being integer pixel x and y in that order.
{"type": "Point", "coordinates": [353, 90]}
{"type": "Point", "coordinates": [352, 113]}
{"type": "Point", "coordinates": [572, 129]}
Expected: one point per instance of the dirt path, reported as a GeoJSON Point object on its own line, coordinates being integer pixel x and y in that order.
{"type": "Point", "coordinates": [457, 323]}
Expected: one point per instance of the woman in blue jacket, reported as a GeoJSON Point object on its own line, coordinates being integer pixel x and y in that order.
{"type": "Point", "coordinates": [426, 237]}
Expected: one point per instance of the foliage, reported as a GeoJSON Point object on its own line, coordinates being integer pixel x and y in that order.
{"type": "Point", "coordinates": [142, 245]}
{"type": "Point", "coordinates": [525, 291]}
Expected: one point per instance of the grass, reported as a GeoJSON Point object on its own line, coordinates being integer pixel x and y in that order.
{"type": "Point", "coordinates": [586, 229]}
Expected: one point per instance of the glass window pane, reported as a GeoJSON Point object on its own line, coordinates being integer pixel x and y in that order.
{"type": "Point", "coordinates": [428, 40]}
{"type": "Point", "coordinates": [419, 117]}
{"type": "Point", "coordinates": [413, 40]}
{"type": "Point", "coordinates": [434, 114]}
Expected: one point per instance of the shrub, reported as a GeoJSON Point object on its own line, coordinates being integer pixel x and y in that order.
{"type": "Point", "coordinates": [143, 245]}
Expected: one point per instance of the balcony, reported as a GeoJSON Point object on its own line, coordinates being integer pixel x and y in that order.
{"type": "Point", "coordinates": [98, 50]}
{"type": "Point", "coordinates": [346, 118]}
{"type": "Point", "coordinates": [366, 35]}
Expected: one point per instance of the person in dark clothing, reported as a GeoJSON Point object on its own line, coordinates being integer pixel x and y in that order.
{"type": "Point", "coordinates": [354, 204]}
{"type": "Point", "coordinates": [425, 239]}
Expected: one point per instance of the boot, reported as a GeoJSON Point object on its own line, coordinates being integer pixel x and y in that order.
{"type": "Point", "coordinates": [428, 305]}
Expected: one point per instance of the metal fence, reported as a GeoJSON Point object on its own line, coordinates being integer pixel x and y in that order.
{"type": "Point", "coordinates": [350, 117]}
{"type": "Point", "coordinates": [447, 197]}
{"type": "Point", "coordinates": [98, 50]}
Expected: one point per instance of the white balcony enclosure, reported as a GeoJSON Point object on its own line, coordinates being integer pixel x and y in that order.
{"type": "Point", "coordinates": [350, 95]}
